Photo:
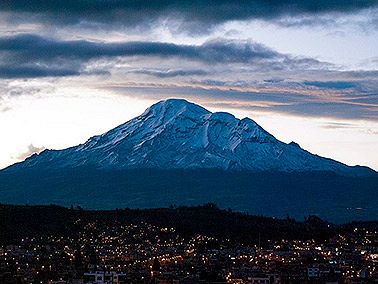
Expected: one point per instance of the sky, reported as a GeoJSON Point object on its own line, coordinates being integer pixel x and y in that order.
{"type": "Point", "coordinates": [306, 71]}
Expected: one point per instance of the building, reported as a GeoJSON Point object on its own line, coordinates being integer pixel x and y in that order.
{"type": "Point", "coordinates": [102, 277]}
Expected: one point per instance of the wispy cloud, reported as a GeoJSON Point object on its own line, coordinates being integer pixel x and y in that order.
{"type": "Point", "coordinates": [338, 125]}
{"type": "Point", "coordinates": [34, 71]}
{"type": "Point", "coordinates": [331, 84]}
{"type": "Point", "coordinates": [30, 151]}
{"type": "Point", "coordinates": [296, 100]}
{"type": "Point", "coordinates": [5, 109]}
{"type": "Point", "coordinates": [168, 73]}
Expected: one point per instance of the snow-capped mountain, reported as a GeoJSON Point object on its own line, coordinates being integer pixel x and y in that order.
{"type": "Point", "coordinates": [176, 134]}
{"type": "Point", "coordinates": [177, 152]}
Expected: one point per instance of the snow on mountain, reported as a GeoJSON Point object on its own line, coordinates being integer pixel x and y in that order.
{"type": "Point", "coordinates": [176, 134]}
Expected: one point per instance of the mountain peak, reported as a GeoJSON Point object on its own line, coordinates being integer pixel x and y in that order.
{"type": "Point", "coordinates": [174, 107]}
{"type": "Point", "coordinates": [175, 103]}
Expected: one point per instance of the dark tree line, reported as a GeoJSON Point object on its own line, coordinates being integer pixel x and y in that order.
{"type": "Point", "coordinates": [17, 222]}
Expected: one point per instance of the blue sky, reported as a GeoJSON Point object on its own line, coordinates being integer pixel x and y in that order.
{"type": "Point", "coordinates": [307, 71]}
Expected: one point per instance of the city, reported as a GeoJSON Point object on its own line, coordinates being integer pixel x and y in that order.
{"type": "Point", "coordinates": [140, 252]}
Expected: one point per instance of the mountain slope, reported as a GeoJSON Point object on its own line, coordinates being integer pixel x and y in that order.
{"type": "Point", "coordinates": [332, 197]}
{"type": "Point", "coordinates": [176, 134]}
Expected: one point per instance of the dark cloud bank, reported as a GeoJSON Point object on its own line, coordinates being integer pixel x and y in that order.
{"type": "Point", "coordinates": [33, 47]}
{"type": "Point", "coordinates": [30, 56]}
{"type": "Point", "coordinates": [206, 12]}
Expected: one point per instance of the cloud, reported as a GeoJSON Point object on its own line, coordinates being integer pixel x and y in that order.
{"type": "Point", "coordinates": [338, 125]}
{"type": "Point", "coordinates": [330, 109]}
{"type": "Point", "coordinates": [34, 47]}
{"type": "Point", "coordinates": [5, 109]}
{"type": "Point", "coordinates": [7, 72]}
{"type": "Point", "coordinates": [287, 98]}
{"type": "Point", "coordinates": [14, 89]}
{"type": "Point", "coordinates": [29, 55]}
{"type": "Point", "coordinates": [331, 84]}
{"type": "Point", "coordinates": [30, 151]}
{"type": "Point", "coordinates": [199, 13]}
{"type": "Point", "coordinates": [222, 70]}
{"type": "Point", "coordinates": [170, 72]}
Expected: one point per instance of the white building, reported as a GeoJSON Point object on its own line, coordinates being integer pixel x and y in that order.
{"type": "Point", "coordinates": [102, 277]}
{"type": "Point", "coordinates": [264, 279]}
